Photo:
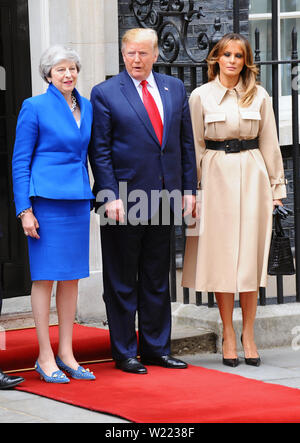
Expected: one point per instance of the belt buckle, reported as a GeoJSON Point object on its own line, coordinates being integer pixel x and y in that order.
{"type": "Point", "coordinates": [232, 146]}
{"type": "Point", "coordinates": [227, 148]}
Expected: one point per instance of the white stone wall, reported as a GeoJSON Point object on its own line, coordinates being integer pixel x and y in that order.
{"type": "Point", "coordinates": [90, 27]}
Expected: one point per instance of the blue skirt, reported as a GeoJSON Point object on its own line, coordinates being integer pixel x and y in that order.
{"type": "Point", "coordinates": [62, 252]}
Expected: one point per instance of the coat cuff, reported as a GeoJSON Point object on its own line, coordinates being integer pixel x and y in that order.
{"type": "Point", "coordinates": [278, 191]}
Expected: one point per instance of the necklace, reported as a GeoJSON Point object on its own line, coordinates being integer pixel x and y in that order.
{"type": "Point", "coordinates": [74, 103]}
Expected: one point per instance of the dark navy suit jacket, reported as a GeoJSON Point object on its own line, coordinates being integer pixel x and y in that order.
{"type": "Point", "coordinates": [50, 153]}
{"type": "Point", "coordinates": [125, 147]}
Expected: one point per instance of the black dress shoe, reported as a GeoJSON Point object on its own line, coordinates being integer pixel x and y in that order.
{"type": "Point", "coordinates": [231, 362]}
{"type": "Point", "coordinates": [252, 361]}
{"type": "Point", "coordinates": [131, 365]}
{"type": "Point", "coordinates": [165, 361]}
{"type": "Point", "coordinates": [7, 382]}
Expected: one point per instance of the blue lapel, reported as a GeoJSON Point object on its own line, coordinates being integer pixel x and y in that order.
{"type": "Point", "coordinates": [82, 107]}
{"type": "Point", "coordinates": [68, 117]}
{"type": "Point", "coordinates": [129, 90]}
{"type": "Point", "coordinates": [53, 90]}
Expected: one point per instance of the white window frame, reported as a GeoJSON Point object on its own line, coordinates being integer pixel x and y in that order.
{"type": "Point", "coordinates": [284, 100]}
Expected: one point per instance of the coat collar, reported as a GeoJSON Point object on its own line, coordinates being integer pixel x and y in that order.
{"type": "Point", "coordinates": [52, 90]}
{"type": "Point", "coordinates": [150, 80]}
{"type": "Point", "coordinates": [221, 91]}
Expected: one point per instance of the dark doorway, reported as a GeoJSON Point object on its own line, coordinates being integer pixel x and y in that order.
{"type": "Point", "coordinates": [15, 86]}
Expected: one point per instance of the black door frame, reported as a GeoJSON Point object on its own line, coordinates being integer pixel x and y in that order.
{"type": "Point", "coordinates": [15, 59]}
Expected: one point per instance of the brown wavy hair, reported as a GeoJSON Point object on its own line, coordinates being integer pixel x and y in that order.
{"type": "Point", "coordinates": [249, 71]}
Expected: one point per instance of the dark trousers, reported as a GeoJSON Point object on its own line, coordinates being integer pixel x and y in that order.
{"type": "Point", "coordinates": [136, 262]}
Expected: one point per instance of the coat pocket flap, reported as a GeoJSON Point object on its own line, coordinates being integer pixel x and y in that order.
{"type": "Point", "coordinates": [215, 117]}
{"type": "Point", "coordinates": [251, 115]}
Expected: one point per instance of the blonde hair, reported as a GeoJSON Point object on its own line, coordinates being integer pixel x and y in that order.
{"type": "Point", "coordinates": [249, 71]}
{"type": "Point", "coordinates": [140, 34]}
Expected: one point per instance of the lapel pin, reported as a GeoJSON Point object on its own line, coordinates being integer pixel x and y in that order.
{"type": "Point", "coordinates": [166, 88]}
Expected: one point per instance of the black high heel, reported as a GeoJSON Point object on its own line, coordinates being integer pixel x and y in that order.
{"type": "Point", "coordinates": [251, 361]}
{"type": "Point", "coordinates": [232, 362]}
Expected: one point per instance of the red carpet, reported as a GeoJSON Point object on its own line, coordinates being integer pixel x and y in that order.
{"type": "Point", "coordinates": [194, 395]}
{"type": "Point", "coordinates": [22, 346]}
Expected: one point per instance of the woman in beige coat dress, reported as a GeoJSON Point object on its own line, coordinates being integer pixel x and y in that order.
{"type": "Point", "coordinates": [241, 179]}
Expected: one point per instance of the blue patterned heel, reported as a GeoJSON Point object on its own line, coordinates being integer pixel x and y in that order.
{"type": "Point", "coordinates": [77, 374]}
{"type": "Point", "coordinates": [56, 377]}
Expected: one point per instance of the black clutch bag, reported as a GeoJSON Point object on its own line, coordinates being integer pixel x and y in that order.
{"type": "Point", "coordinates": [280, 258]}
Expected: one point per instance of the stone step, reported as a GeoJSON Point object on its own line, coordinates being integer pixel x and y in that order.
{"type": "Point", "coordinates": [184, 339]}
{"type": "Point", "coordinates": [198, 329]}
{"type": "Point", "coordinates": [275, 325]}
{"type": "Point", "coordinates": [189, 340]}
{"type": "Point", "coordinates": [23, 320]}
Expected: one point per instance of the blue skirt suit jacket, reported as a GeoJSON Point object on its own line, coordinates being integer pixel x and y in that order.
{"type": "Point", "coordinates": [50, 174]}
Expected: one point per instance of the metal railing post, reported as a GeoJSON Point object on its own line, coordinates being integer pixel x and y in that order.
{"type": "Point", "coordinates": [296, 156]}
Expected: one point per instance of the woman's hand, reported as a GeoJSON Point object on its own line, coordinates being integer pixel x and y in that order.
{"type": "Point", "coordinates": [277, 203]}
{"type": "Point", "coordinates": [30, 225]}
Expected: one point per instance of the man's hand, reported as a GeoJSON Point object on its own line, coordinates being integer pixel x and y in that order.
{"type": "Point", "coordinates": [115, 210]}
{"type": "Point", "coordinates": [197, 210]}
{"type": "Point", "coordinates": [188, 204]}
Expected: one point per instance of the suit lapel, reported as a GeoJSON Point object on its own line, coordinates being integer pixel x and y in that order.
{"type": "Point", "coordinates": [129, 90]}
{"type": "Point", "coordinates": [163, 88]}
{"type": "Point", "coordinates": [53, 91]}
{"type": "Point", "coordinates": [68, 117]}
{"type": "Point", "coordinates": [81, 105]}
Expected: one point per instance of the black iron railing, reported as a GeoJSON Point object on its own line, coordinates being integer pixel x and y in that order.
{"type": "Point", "coordinates": [195, 74]}
{"type": "Point", "coordinates": [173, 20]}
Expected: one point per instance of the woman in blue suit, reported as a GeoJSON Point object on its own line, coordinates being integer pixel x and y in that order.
{"type": "Point", "coordinates": [52, 198]}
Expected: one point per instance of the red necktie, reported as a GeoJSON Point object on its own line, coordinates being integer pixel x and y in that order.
{"type": "Point", "coordinates": [153, 111]}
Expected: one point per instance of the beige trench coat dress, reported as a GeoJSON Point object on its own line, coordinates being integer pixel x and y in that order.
{"type": "Point", "coordinates": [228, 250]}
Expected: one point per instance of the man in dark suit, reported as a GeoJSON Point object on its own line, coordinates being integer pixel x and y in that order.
{"type": "Point", "coordinates": [6, 381]}
{"type": "Point", "coordinates": [142, 144]}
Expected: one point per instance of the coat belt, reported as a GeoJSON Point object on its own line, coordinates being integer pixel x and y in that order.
{"type": "Point", "coordinates": [232, 146]}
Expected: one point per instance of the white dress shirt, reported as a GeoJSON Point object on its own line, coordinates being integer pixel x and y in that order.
{"type": "Point", "coordinates": [153, 89]}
